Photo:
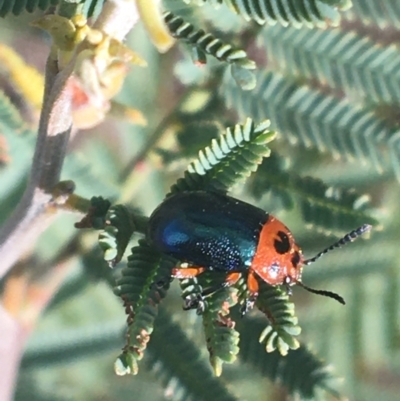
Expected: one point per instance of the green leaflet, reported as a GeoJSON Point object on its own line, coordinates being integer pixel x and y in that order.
{"type": "Point", "coordinates": [297, 13]}
{"type": "Point", "coordinates": [228, 160]}
{"type": "Point", "coordinates": [385, 13]}
{"type": "Point", "coordinates": [119, 227]}
{"type": "Point", "coordinates": [175, 359]}
{"type": "Point", "coordinates": [322, 205]}
{"type": "Point", "coordinates": [313, 119]}
{"type": "Point", "coordinates": [141, 295]}
{"type": "Point", "coordinates": [274, 302]}
{"type": "Point", "coordinates": [342, 59]}
{"type": "Point", "coordinates": [301, 371]}
{"type": "Point", "coordinates": [221, 337]}
{"type": "Point", "coordinates": [96, 217]}
{"type": "Point", "coordinates": [279, 335]}
{"type": "Point", "coordinates": [205, 43]}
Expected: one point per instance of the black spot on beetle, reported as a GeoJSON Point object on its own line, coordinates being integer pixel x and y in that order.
{"type": "Point", "coordinates": [282, 245]}
{"type": "Point", "coordinates": [295, 259]}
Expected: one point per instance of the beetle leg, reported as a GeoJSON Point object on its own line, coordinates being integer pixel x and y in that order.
{"type": "Point", "coordinates": [180, 273]}
{"type": "Point", "coordinates": [230, 280]}
{"type": "Point", "coordinates": [253, 287]}
{"type": "Point", "coordinates": [190, 272]}
{"type": "Point", "coordinates": [252, 284]}
{"type": "Point", "coordinates": [198, 303]}
{"type": "Point", "coordinates": [187, 272]}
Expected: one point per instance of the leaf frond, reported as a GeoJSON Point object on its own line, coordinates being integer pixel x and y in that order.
{"type": "Point", "coordinates": [219, 329]}
{"type": "Point", "coordinates": [300, 372]}
{"type": "Point", "coordinates": [385, 14]}
{"type": "Point", "coordinates": [322, 205]}
{"type": "Point", "coordinates": [280, 334]}
{"type": "Point", "coordinates": [274, 303]}
{"type": "Point", "coordinates": [228, 160]}
{"type": "Point", "coordinates": [141, 298]}
{"type": "Point", "coordinates": [308, 13]}
{"type": "Point", "coordinates": [221, 337]}
{"type": "Point", "coordinates": [96, 216]}
{"type": "Point", "coordinates": [316, 120]}
{"type": "Point", "coordinates": [206, 43]}
{"type": "Point", "coordinates": [119, 227]}
{"type": "Point", "coordinates": [175, 365]}
{"type": "Point", "coordinates": [341, 59]}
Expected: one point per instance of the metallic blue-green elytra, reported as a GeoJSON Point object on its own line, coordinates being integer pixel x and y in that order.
{"type": "Point", "coordinates": [207, 229]}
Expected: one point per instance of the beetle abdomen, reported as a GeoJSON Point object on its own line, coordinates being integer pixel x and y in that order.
{"type": "Point", "coordinates": [207, 229]}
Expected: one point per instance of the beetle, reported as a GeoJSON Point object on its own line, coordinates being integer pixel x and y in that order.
{"type": "Point", "coordinates": [207, 230]}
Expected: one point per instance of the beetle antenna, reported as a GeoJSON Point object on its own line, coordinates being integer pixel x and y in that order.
{"type": "Point", "coordinates": [350, 237]}
{"type": "Point", "coordinates": [329, 294]}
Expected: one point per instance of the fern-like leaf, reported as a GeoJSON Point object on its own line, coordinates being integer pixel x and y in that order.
{"type": "Point", "coordinates": [297, 13]}
{"type": "Point", "coordinates": [206, 43]}
{"type": "Point", "coordinates": [385, 13]}
{"type": "Point", "coordinates": [221, 337]}
{"type": "Point", "coordinates": [341, 59]}
{"type": "Point", "coordinates": [119, 227]}
{"type": "Point", "coordinates": [96, 217]}
{"type": "Point", "coordinates": [274, 303]}
{"type": "Point", "coordinates": [229, 160]}
{"type": "Point", "coordinates": [321, 205]}
{"type": "Point", "coordinates": [317, 120]}
{"type": "Point", "coordinates": [141, 298]}
{"type": "Point", "coordinates": [176, 361]}
{"type": "Point", "coordinates": [280, 333]}
{"type": "Point", "coordinates": [300, 372]}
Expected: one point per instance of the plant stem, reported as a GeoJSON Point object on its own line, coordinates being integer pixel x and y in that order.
{"type": "Point", "coordinates": [29, 218]}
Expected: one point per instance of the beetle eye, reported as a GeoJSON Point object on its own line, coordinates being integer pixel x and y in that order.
{"type": "Point", "coordinates": [282, 245]}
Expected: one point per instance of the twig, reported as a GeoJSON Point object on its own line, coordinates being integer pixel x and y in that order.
{"type": "Point", "coordinates": [29, 218]}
